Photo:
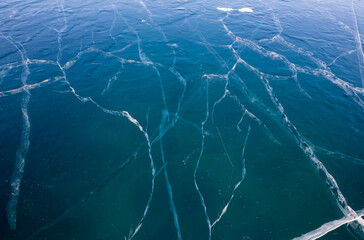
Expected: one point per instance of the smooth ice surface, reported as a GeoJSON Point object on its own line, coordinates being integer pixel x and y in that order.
{"type": "Point", "coordinates": [181, 119]}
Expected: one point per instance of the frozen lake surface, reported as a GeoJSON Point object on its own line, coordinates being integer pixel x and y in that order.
{"type": "Point", "coordinates": [184, 119]}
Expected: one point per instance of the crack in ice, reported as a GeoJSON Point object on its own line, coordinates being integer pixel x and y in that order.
{"type": "Point", "coordinates": [330, 226]}
{"type": "Point", "coordinates": [358, 44]}
{"type": "Point", "coordinates": [22, 151]}
{"type": "Point", "coordinates": [243, 173]}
